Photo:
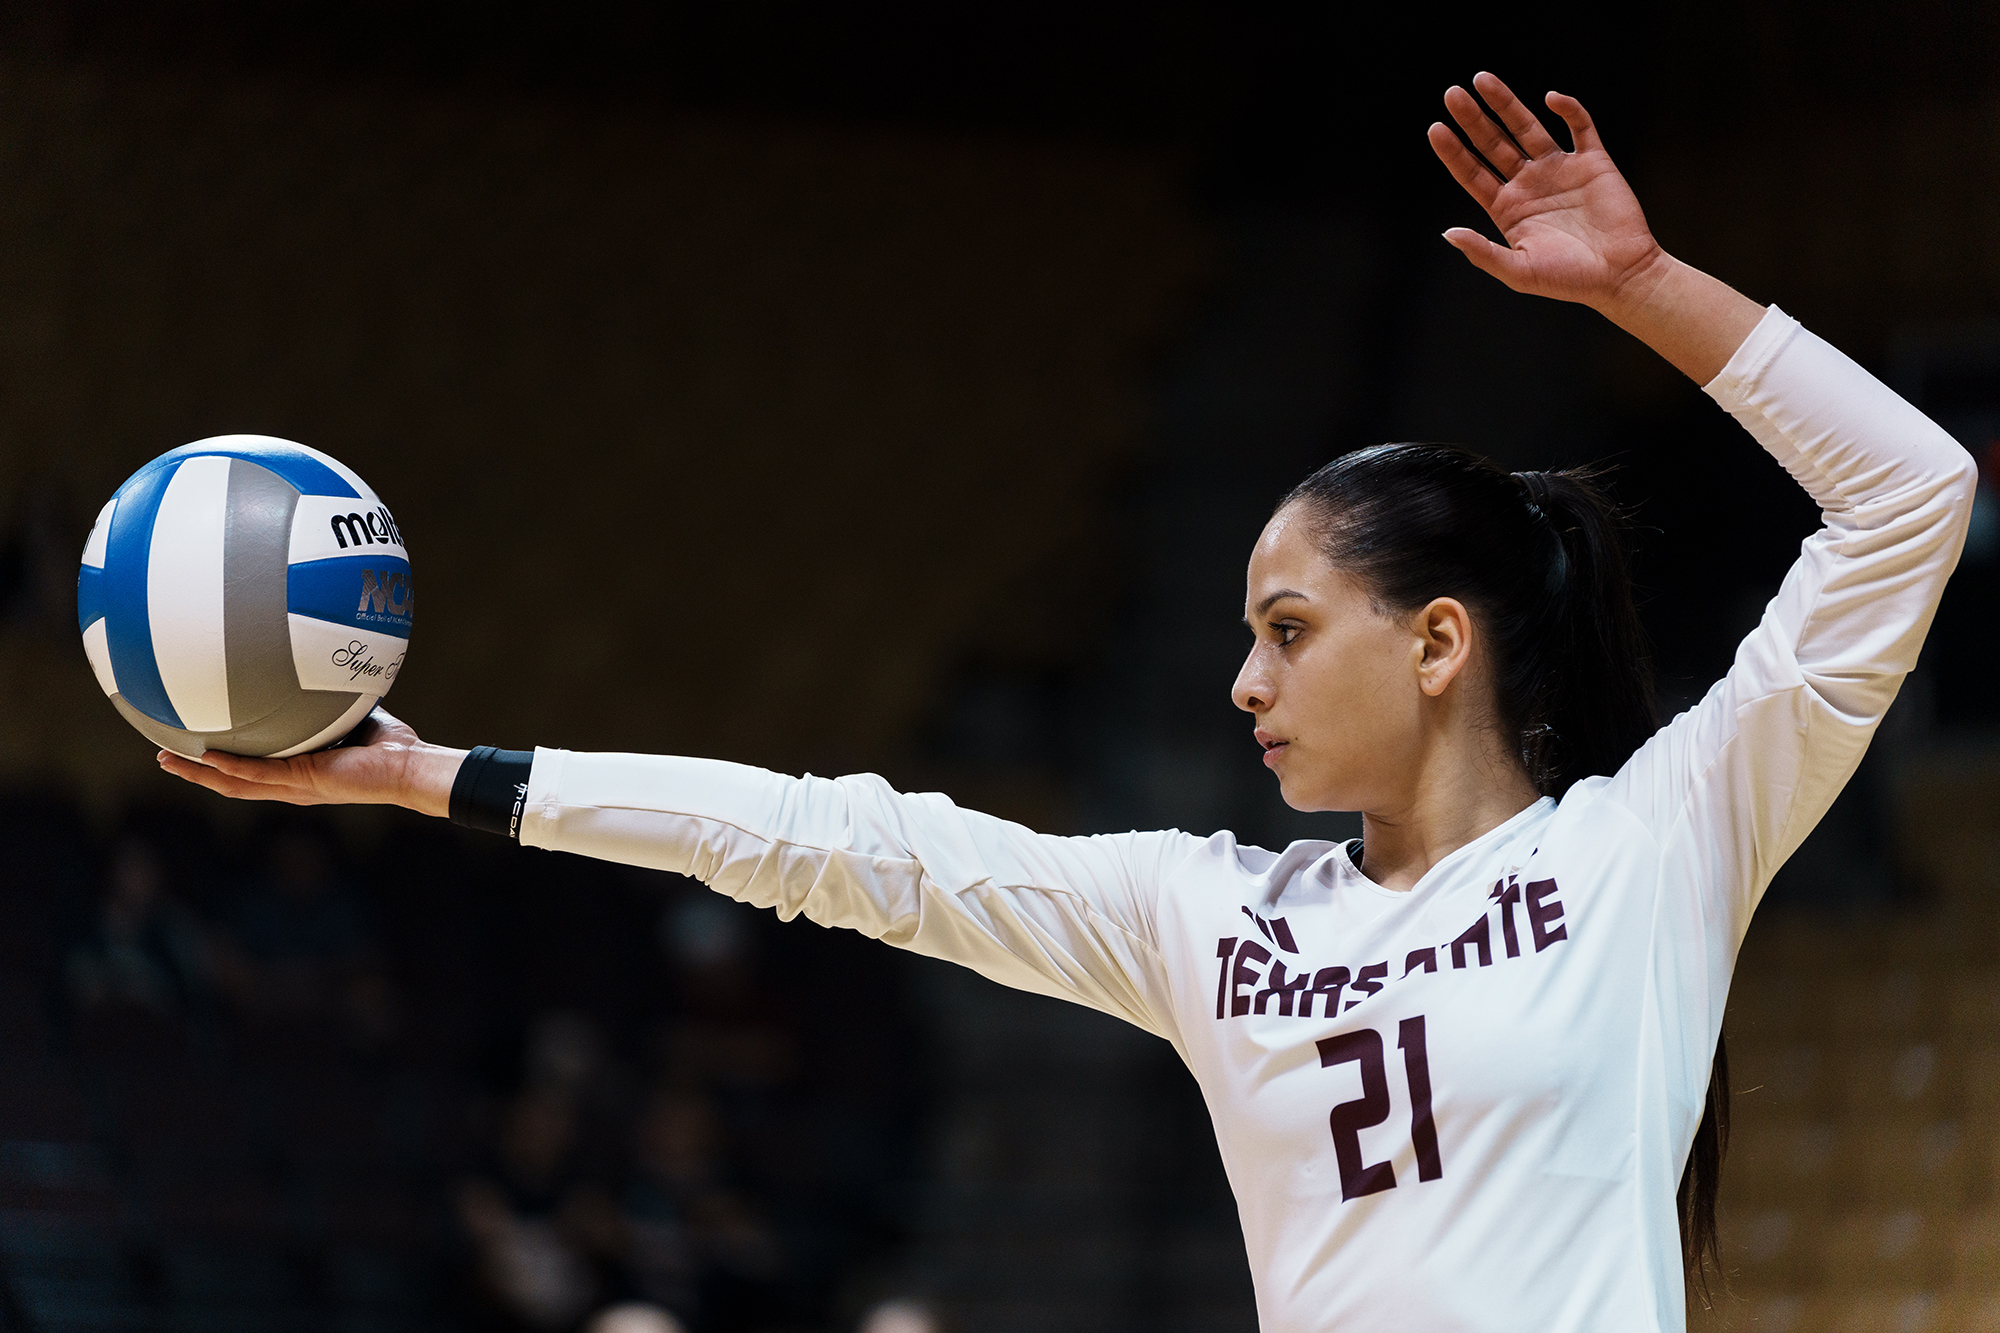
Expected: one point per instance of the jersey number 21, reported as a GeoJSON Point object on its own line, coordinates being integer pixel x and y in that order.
{"type": "Point", "coordinates": [1371, 1108]}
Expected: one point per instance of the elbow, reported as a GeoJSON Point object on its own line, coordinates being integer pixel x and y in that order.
{"type": "Point", "coordinates": [1963, 485]}
{"type": "Point", "coordinates": [1934, 508]}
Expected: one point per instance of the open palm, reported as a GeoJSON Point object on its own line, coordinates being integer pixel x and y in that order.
{"type": "Point", "coordinates": [1574, 230]}
{"type": "Point", "coordinates": [371, 768]}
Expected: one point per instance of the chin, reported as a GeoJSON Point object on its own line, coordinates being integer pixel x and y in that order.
{"type": "Point", "coordinates": [1309, 800]}
{"type": "Point", "coordinates": [1327, 796]}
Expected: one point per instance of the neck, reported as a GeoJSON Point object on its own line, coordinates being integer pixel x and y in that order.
{"type": "Point", "coordinates": [1454, 799]}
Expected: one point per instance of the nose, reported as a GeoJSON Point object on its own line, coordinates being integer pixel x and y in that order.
{"type": "Point", "coordinates": [1252, 692]}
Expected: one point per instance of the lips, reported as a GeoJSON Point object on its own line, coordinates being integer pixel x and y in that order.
{"type": "Point", "coordinates": [1273, 745]}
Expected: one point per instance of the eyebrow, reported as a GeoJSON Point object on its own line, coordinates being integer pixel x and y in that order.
{"type": "Point", "coordinates": [1276, 597]}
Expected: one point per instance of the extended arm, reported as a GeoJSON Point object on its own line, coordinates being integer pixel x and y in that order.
{"type": "Point", "coordinates": [1739, 780]}
{"type": "Point", "coordinates": [1072, 917]}
{"type": "Point", "coordinates": [1068, 917]}
{"type": "Point", "coordinates": [1736, 782]}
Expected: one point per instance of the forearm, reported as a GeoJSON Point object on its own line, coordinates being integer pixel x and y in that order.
{"type": "Point", "coordinates": [1896, 494]}
{"type": "Point", "coordinates": [1744, 775]}
{"type": "Point", "coordinates": [1693, 320]}
{"type": "Point", "coordinates": [1871, 460]}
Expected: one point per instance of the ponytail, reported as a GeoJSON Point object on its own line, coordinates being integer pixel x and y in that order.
{"type": "Point", "coordinates": [1539, 559]}
{"type": "Point", "coordinates": [1585, 684]}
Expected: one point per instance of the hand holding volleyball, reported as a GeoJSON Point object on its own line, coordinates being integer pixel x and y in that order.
{"type": "Point", "coordinates": [386, 765]}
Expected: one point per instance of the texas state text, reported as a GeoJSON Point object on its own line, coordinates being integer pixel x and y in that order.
{"type": "Point", "coordinates": [1254, 980]}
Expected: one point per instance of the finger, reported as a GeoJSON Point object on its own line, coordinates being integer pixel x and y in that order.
{"type": "Point", "coordinates": [1477, 178]}
{"type": "Point", "coordinates": [1484, 132]}
{"type": "Point", "coordinates": [1582, 131]}
{"type": "Point", "coordinates": [262, 771]}
{"type": "Point", "coordinates": [1522, 123]}
{"type": "Point", "coordinates": [193, 770]}
{"type": "Point", "coordinates": [179, 765]}
{"type": "Point", "coordinates": [222, 784]}
{"type": "Point", "coordinates": [1510, 266]}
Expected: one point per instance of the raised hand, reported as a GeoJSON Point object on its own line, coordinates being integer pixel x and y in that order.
{"type": "Point", "coordinates": [386, 765]}
{"type": "Point", "coordinates": [1575, 231]}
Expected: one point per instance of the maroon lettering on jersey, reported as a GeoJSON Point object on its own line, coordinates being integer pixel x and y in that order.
{"type": "Point", "coordinates": [1225, 949]}
{"type": "Point", "coordinates": [1359, 1178]}
{"type": "Point", "coordinates": [1368, 980]}
{"type": "Point", "coordinates": [1417, 1070]}
{"type": "Point", "coordinates": [1328, 981]}
{"type": "Point", "coordinates": [1507, 895]}
{"type": "Point", "coordinates": [1283, 987]}
{"type": "Point", "coordinates": [1479, 935]}
{"type": "Point", "coordinates": [1275, 930]}
{"type": "Point", "coordinates": [1251, 976]}
{"type": "Point", "coordinates": [1363, 1048]}
{"type": "Point", "coordinates": [1245, 975]}
{"type": "Point", "coordinates": [1541, 914]}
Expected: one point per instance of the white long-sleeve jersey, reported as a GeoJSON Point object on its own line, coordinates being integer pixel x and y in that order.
{"type": "Point", "coordinates": [1465, 1106]}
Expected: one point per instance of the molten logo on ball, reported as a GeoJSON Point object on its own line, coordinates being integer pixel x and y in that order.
{"type": "Point", "coordinates": [355, 529]}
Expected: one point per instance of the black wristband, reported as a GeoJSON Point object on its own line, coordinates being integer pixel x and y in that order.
{"type": "Point", "coordinates": [491, 790]}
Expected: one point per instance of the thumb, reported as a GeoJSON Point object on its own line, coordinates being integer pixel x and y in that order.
{"type": "Point", "coordinates": [1510, 266]}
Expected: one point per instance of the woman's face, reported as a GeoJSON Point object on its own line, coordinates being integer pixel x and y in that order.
{"type": "Point", "coordinates": [1338, 688]}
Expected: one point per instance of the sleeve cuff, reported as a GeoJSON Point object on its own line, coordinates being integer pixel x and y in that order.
{"type": "Point", "coordinates": [491, 790]}
{"type": "Point", "coordinates": [1733, 384]}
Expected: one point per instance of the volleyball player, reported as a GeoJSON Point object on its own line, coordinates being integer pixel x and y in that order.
{"type": "Point", "coordinates": [1460, 1070]}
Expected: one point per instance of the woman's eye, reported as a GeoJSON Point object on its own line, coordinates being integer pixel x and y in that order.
{"type": "Point", "coordinates": [1285, 634]}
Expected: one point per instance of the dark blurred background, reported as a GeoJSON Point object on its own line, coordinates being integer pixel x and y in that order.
{"type": "Point", "coordinates": [831, 388]}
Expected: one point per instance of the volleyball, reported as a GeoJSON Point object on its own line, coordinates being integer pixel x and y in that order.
{"type": "Point", "coordinates": [245, 594]}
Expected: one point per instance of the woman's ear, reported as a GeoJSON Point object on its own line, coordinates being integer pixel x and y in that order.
{"type": "Point", "coordinates": [1444, 631]}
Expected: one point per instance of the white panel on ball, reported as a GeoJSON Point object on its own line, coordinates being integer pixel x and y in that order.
{"type": "Point", "coordinates": [100, 534]}
{"type": "Point", "coordinates": [326, 526]}
{"type": "Point", "coordinates": [184, 592]}
{"type": "Point", "coordinates": [97, 647]}
{"type": "Point", "coordinates": [337, 657]}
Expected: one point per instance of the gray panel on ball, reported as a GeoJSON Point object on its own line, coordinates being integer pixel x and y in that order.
{"type": "Point", "coordinates": [256, 636]}
{"type": "Point", "coordinates": [308, 713]}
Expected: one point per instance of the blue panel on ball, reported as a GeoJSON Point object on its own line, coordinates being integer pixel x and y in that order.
{"type": "Point", "coordinates": [89, 595]}
{"type": "Point", "coordinates": [372, 592]}
{"type": "Point", "coordinates": [306, 474]}
{"type": "Point", "coordinates": [128, 625]}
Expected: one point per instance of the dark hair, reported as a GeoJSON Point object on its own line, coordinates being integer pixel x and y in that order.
{"type": "Point", "coordinates": [1539, 560]}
